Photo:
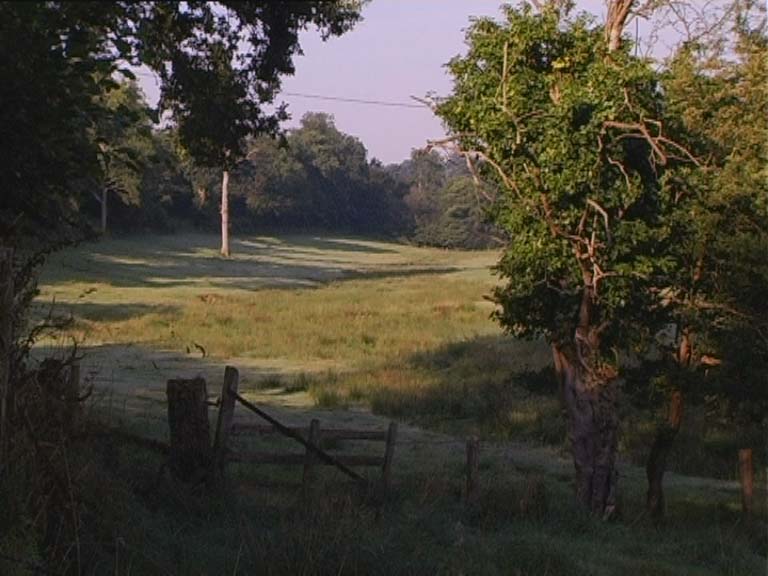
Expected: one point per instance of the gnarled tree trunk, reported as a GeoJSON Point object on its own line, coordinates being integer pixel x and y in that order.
{"type": "Point", "coordinates": [588, 391]}
{"type": "Point", "coordinates": [592, 430]}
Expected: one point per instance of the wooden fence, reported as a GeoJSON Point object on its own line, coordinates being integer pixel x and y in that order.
{"type": "Point", "coordinates": [310, 437]}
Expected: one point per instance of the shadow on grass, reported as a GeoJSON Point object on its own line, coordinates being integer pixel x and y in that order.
{"type": "Point", "coordinates": [98, 312]}
{"type": "Point", "coordinates": [337, 244]}
{"type": "Point", "coordinates": [193, 260]}
{"type": "Point", "coordinates": [495, 385]}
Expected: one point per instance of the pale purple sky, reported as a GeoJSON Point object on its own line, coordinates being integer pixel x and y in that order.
{"type": "Point", "coordinates": [399, 50]}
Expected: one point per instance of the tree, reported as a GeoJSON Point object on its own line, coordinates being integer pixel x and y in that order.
{"type": "Point", "coordinates": [226, 61]}
{"type": "Point", "coordinates": [52, 73]}
{"type": "Point", "coordinates": [336, 166]}
{"type": "Point", "coordinates": [715, 89]}
{"type": "Point", "coordinates": [318, 176]}
{"type": "Point", "coordinates": [123, 134]}
{"type": "Point", "coordinates": [571, 129]}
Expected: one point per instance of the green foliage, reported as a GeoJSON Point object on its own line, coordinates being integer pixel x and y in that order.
{"type": "Point", "coordinates": [65, 125]}
{"type": "Point", "coordinates": [444, 202]}
{"type": "Point", "coordinates": [720, 220]}
{"type": "Point", "coordinates": [560, 124]}
{"type": "Point", "coordinates": [52, 71]}
{"type": "Point", "coordinates": [318, 177]}
{"type": "Point", "coordinates": [226, 63]}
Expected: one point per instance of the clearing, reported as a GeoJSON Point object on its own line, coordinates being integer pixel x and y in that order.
{"type": "Point", "coordinates": [354, 332]}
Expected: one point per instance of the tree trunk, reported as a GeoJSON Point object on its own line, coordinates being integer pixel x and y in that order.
{"type": "Point", "coordinates": [6, 342]}
{"type": "Point", "coordinates": [104, 198]}
{"type": "Point", "coordinates": [657, 459]}
{"type": "Point", "coordinates": [666, 434]}
{"type": "Point", "coordinates": [590, 406]}
{"type": "Point", "coordinates": [616, 19]}
{"type": "Point", "coordinates": [225, 214]}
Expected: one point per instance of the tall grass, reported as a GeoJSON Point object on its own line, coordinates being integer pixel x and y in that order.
{"type": "Point", "coordinates": [405, 332]}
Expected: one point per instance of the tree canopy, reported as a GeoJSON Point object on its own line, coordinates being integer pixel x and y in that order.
{"type": "Point", "coordinates": [612, 188]}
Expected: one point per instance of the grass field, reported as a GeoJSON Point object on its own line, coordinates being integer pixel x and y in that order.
{"type": "Point", "coordinates": [355, 331]}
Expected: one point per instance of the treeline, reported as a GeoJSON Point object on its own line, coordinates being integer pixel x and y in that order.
{"type": "Point", "coordinates": [314, 177]}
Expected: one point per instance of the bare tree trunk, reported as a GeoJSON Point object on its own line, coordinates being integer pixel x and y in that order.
{"type": "Point", "coordinates": [6, 340]}
{"type": "Point", "coordinates": [104, 199]}
{"type": "Point", "coordinates": [616, 19]}
{"type": "Point", "coordinates": [657, 459]}
{"type": "Point", "coordinates": [225, 214]}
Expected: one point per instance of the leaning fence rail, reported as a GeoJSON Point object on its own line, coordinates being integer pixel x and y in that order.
{"type": "Point", "coordinates": [310, 437]}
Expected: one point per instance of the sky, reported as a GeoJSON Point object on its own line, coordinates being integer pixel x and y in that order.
{"type": "Point", "coordinates": [398, 51]}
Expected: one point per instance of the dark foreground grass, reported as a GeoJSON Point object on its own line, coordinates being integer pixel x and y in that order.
{"type": "Point", "coordinates": [136, 520]}
{"type": "Point", "coordinates": [418, 347]}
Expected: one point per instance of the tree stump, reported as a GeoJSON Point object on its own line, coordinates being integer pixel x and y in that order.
{"type": "Point", "coordinates": [190, 456]}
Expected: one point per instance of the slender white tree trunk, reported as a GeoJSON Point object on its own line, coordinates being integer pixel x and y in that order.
{"type": "Point", "coordinates": [225, 214]}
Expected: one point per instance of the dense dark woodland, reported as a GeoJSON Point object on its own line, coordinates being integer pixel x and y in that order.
{"type": "Point", "coordinates": [630, 200]}
{"type": "Point", "coordinates": [310, 178]}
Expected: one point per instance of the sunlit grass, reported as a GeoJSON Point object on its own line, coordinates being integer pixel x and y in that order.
{"type": "Point", "coordinates": [402, 330]}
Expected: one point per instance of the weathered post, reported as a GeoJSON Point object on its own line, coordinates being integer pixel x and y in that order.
{"type": "Point", "coordinates": [188, 422]}
{"type": "Point", "coordinates": [224, 421]}
{"type": "Point", "coordinates": [747, 478]}
{"type": "Point", "coordinates": [389, 454]}
{"type": "Point", "coordinates": [473, 465]}
{"type": "Point", "coordinates": [310, 458]}
{"type": "Point", "coordinates": [6, 342]}
{"type": "Point", "coordinates": [72, 408]}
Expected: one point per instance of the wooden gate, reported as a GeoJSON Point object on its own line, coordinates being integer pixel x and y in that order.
{"type": "Point", "coordinates": [310, 437]}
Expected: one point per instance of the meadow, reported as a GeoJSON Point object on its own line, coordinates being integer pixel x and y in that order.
{"type": "Point", "coordinates": [354, 331]}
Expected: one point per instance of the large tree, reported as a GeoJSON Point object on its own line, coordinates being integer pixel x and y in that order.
{"type": "Point", "coordinates": [715, 91]}
{"type": "Point", "coordinates": [221, 63]}
{"type": "Point", "coordinates": [570, 127]}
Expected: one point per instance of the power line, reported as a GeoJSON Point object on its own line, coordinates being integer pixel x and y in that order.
{"type": "Point", "coordinates": [357, 100]}
{"type": "Point", "coordinates": [331, 98]}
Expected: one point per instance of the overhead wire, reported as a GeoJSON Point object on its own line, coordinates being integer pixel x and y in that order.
{"type": "Point", "coordinates": [356, 100]}
{"type": "Point", "coordinates": [351, 100]}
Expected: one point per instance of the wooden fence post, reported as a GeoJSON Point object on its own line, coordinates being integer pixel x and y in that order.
{"type": "Point", "coordinates": [473, 463]}
{"type": "Point", "coordinates": [224, 421]}
{"type": "Point", "coordinates": [747, 477]}
{"type": "Point", "coordinates": [72, 396]}
{"type": "Point", "coordinates": [6, 342]}
{"type": "Point", "coordinates": [190, 433]}
{"type": "Point", "coordinates": [389, 454]}
{"type": "Point", "coordinates": [310, 458]}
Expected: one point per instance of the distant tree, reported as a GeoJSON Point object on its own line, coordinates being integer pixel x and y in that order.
{"type": "Point", "coordinates": [319, 177]}
{"type": "Point", "coordinates": [226, 61]}
{"type": "Point", "coordinates": [425, 173]}
{"type": "Point", "coordinates": [336, 166]}
{"type": "Point", "coordinates": [123, 135]}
